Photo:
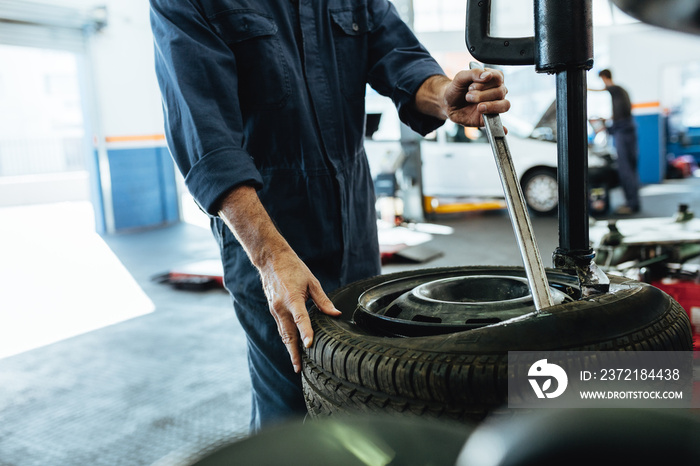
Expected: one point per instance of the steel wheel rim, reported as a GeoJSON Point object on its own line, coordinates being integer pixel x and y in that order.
{"type": "Point", "coordinates": [431, 304]}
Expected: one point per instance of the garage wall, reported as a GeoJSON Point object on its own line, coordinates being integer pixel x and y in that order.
{"type": "Point", "coordinates": [141, 174]}
{"type": "Point", "coordinates": [640, 53]}
{"type": "Point", "coordinates": [123, 72]}
{"type": "Point", "coordinates": [134, 177]}
{"type": "Point", "coordinates": [125, 78]}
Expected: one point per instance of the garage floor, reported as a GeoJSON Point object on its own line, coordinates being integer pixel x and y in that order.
{"type": "Point", "coordinates": [101, 365]}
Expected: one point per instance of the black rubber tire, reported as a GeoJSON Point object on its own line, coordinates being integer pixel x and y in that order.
{"type": "Point", "coordinates": [463, 375]}
{"type": "Point", "coordinates": [546, 176]}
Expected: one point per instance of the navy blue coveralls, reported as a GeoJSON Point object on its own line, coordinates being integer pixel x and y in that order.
{"type": "Point", "coordinates": [270, 93]}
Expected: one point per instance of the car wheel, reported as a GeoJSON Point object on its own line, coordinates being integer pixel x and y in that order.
{"type": "Point", "coordinates": [540, 191]}
{"type": "Point", "coordinates": [417, 343]}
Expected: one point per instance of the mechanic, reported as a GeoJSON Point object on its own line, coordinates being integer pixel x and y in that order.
{"type": "Point", "coordinates": [624, 132]}
{"type": "Point", "coordinates": [264, 114]}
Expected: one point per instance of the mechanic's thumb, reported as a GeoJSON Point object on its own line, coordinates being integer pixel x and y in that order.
{"type": "Point", "coordinates": [322, 301]}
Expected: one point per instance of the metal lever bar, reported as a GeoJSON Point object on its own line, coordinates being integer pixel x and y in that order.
{"type": "Point", "coordinates": [519, 217]}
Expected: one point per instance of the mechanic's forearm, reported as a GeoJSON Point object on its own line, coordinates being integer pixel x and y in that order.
{"type": "Point", "coordinates": [247, 218]}
{"type": "Point", "coordinates": [430, 98]}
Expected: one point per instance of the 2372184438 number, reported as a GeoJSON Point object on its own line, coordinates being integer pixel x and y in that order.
{"type": "Point", "coordinates": [639, 374]}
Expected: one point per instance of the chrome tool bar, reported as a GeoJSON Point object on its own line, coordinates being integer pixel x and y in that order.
{"type": "Point", "coordinates": [517, 210]}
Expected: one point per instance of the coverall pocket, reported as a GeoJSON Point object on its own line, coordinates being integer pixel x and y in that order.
{"type": "Point", "coordinates": [262, 69]}
{"type": "Point", "coordinates": [351, 31]}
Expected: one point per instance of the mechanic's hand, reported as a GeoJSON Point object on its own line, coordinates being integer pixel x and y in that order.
{"type": "Point", "coordinates": [473, 93]}
{"type": "Point", "coordinates": [288, 284]}
{"type": "Point", "coordinates": [287, 281]}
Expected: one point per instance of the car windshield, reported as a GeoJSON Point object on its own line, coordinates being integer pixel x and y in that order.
{"type": "Point", "coordinates": [516, 126]}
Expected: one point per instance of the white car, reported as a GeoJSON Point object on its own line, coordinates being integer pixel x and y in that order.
{"type": "Point", "coordinates": [457, 162]}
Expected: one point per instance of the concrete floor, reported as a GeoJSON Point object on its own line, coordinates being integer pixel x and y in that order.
{"type": "Point", "coordinates": [101, 365]}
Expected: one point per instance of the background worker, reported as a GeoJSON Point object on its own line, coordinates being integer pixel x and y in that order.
{"type": "Point", "coordinates": [623, 129]}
